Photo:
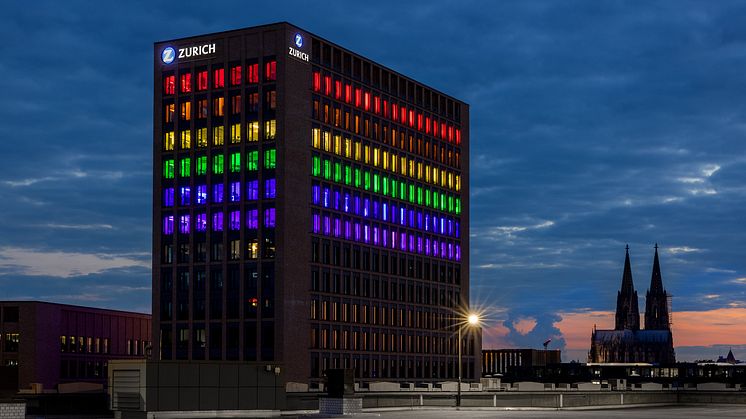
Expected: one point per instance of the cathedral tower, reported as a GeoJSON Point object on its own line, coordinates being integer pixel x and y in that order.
{"type": "Point", "coordinates": [627, 311]}
{"type": "Point", "coordinates": [656, 300]}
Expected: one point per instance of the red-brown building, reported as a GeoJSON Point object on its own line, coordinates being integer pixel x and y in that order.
{"type": "Point", "coordinates": [50, 343]}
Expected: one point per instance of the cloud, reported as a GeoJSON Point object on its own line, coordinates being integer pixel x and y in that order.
{"type": "Point", "coordinates": [20, 261]}
{"type": "Point", "coordinates": [524, 326]}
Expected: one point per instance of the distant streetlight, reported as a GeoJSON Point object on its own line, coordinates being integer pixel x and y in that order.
{"type": "Point", "coordinates": [472, 320]}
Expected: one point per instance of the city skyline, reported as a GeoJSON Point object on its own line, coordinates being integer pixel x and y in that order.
{"type": "Point", "coordinates": [593, 126]}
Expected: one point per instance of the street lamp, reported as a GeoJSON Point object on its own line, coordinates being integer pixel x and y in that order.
{"type": "Point", "coordinates": [472, 319]}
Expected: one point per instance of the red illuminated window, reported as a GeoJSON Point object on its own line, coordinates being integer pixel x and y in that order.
{"type": "Point", "coordinates": [169, 85]}
{"type": "Point", "coordinates": [270, 70]}
{"type": "Point", "coordinates": [435, 128]}
{"type": "Point", "coordinates": [186, 82]}
{"type": "Point", "coordinates": [337, 89]}
{"type": "Point", "coordinates": [366, 101]}
{"type": "Point", "coordinates": [348, 93]}
{"type": "Point", "coordinates": [252, 73]}
{"type": "Point", "coordinates": [358, 97]}
{"type": "Point", "coordinates": [377, 105]}
{"type": "Point", "coordinates": [427, 125]}
{"type": "Point", "coordinates": [411, 118]}
{"type": "Point", "coordinates": [236, 75]}
{"type": "Point", "coordinates": [443, 130]}
{"type": "Point", "coordinates": [316, 81]}
{"type": "Point", "coordinates": [328, 85]}
{"type": "Point", "coordinates": [450, 133]}
{"type": "Point", "coordinates": [218, 77]}
{"type": "Point", "coordinates": [202, 80]}
{"type": "Point", "coordinates": [419, 121]}
{"type": "Point", "coordinates": [394, 112]}
{"type": "Point", "coordinates": [385, 108]}
{"type": "Point", "coordinates": [458, 136]}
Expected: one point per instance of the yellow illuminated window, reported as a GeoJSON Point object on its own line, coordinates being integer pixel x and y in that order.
{"type": "Point", "coordinates": [393, 162]}
{"type": "Point", "coordinates": [376, 156]}
{"type": "Point", "coordinates": [186, 111]}
{"type": "Point", "coordinates": [358, 148]}
{"type": "Point", "coordinates": [252, 131]}
{"type": "Point", "coordinates": [403, 165]}
{"type": "Point", "coordinates": [186, 140]}
{"type": "Point", "coordinates": [168, 141]}
{"type": "Point", "coordinates": [201, 137]}
{"type": "Point", "coordinates": [427, 173]}
{"type": "Point", "coordinates": [435, 175]}
{"type": "Point", "coordinates": [218, 106]}
{"type": "Point", "coordinates": [326, 138]}
{"type": "Point", "coordinates": [316, 138]}
{"type": "Point", "coordinates": [442, 178]}
{"type": "Point", "coordinates": [337, 145]}
{"type": "Point", "coordinates": [235, 133]}
{"type": "Point", "coordinates": [385, 160]}
{"type": "Point", "coordinates": [348, 147]}
{"type": "Point", "coordinates": [450, 180]}
{"type": "Point", "coordinates": [411, 168]}
{"type": "Point", "coordinates": [458, 183]}
{"type": "Point", "coordinates": [217, 136]}
{"type": "Point", "coordinates": [270, 129]}
{"type": "Point", "coordinates": [419, 170]}
{"type": "Point", "coordinates": [367, 154]}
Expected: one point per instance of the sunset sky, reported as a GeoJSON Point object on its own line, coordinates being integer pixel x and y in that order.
{"type": "Point", "coordinates": [594, 124]}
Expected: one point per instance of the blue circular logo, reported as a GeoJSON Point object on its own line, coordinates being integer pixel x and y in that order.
{"type": "Point", "coordinates": [168, 55]}
{"type": "Point", "coordinates": [298, 40]}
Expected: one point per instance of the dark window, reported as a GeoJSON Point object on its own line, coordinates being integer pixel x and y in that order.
{"type": "Point", "coordinates": [10, 314]}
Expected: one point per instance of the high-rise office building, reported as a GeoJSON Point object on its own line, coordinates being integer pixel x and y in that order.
{"type": "Point", "coordinates": [310, 208]}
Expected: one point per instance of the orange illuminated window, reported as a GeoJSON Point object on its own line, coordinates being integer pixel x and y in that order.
{"type": "Point", "coordinates": [169, 85]}
{"type": "Point", "coordinates": [168, 112]}
{"type": "Point", "coordinates": [202, 108]}
{"type": "Point", "coordinates": [218, 78]}
{"type": "Point", "coordinates": [218, 106]}
{"type": "Point", "coordinates": [252, 73]}
{"type": "Point", "coordinates": [270, 70]}
{"type": "Point", "coordinates": [202, 80]}
{"type": "Point", "coordinates": [236, 75]}
{"type": "Point", "coordinates": [186, 111]}
{"type": "Point", "coordinates": [186, 82]}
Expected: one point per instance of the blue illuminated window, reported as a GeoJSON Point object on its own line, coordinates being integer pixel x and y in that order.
{"type": "Point", "coordinates": [325, 200]}
{"type": "Point", "coordinates": [235, 192]}
{"type": "Point", "coordinates": [252, 219]}
{"type": "Point", "coordinates": [201, 192]}
{"type": "Point", "coordinates": [185, 195]}
{"type": "Point", "coordinates": [252, 190]}
{"type": "Point", "coordinates": [200, 223]}
{"type": "Point", "coordinates": [168, 197]}
{"type": "Point", "coordinates": [217, 221]}
{"type": "Point", "coordinates": [316, 194]}
{"type": "Point", "coordinates": [316, 223]}
{"type": "Point", "coordinates": [217, 193]}
{"type": "Point", "coordinates": [235, 220]}
{"type": "Point", "coordinates": [269, 218]}
{"type": "Point", "coordinates": [168, 225]}
{"type": "Point", "coordinates": [184, 224]}
{"type": "Point", "coordinates": [269, 188]}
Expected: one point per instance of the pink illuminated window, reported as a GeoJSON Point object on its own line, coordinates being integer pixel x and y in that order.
{"type": "Point", "coordinates": [385, 108]}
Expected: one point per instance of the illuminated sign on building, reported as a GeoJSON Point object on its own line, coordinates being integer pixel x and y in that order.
{"type": "Point", "coordinates": [193, 52]}
{"type": "Point", "coordinates": [294, 52]}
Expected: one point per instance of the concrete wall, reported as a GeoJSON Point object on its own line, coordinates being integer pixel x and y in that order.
{"type": "Point", "coordinates": [12, 410]}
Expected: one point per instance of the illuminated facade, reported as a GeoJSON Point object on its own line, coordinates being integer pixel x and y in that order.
{"type": "Point", "coordinates": [310, 209]}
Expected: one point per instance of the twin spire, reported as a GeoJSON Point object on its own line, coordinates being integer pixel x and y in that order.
{"type": "Point", "coordinates": [656, 300]}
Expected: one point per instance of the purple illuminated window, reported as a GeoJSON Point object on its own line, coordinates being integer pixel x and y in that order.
{"type": "Point", "coordinates": [411, 242]}
{"type": "Point", "coordinates": [168, 225]}
{"type": "Point", "coordinates": [435, 223]}
{"type": "Point", "coordinates": [252, 190]}
{"type": "Point", "coordinates": [442, 226]}
{"type": "Point", "coordinates": [168, 197]}
{"type": "Point", "coordinates": [235, 192]}
{"type": "Point", "coordinates": [403, 216]}
{"type": "Point", "coordinates": [458, 253]}
{"type": "Point", "coordinates": [252, 219]}
{"type": "Point", "coordinates": [435, 248]}
{"type": "Point", "coordinates": [327, 225]}
{"type": "Point", "coordinates": [385, 237]}
{"type": "Point", "coordinates": [269, 188]}
{"type": "Point", "coordinates": [269, 218]}
{"type": "Point", "coordinates": [316, 194]}
{"type": "Point", "coordinates": [403, 241]}
{"type": "Point", "coordinates": [411, 218]}
{"type": "Point", "coordinates": [200, 223]}
{"type": "Point", "coordinates": [325, 200]}
{"type": "Point", "coordinates": [366, 233]}
{"type": "Point", "coordinates": [427, 246]}
{"type": "Point", "coordinates": [201, 192]}
{"type": "Point", "coordinates": [366, 207]}
{"type": "Point", "coordinates": [348, 230]}
{"type": "Point", "coordinates": [217, 221]}
{"type": "Point", "coordinates": [357, 232]}
{"type": "Point", "coordinates": [394, 213]}
{"type": "Point", "coordinates": [185, 193]}
{"type": "Point", "coordinates": [450, 251]}
{"type": "Point", "coordinates": [337, 227]}
{"type": "Point", "coordinates": [393, 239]}
{"type": "Point", "coordinates": [427, 222]}
{"type": "Point", "coordinates": [458, 229]}
{"type": "Point", "coordinates": [375, 210]}
{"type": "Point", "coordinates": [419, 244]}
{"type": "Point", "coordinates": [376, 237]}
{"type": "Point", "coordinates": [347, 203]}
{"type": "Point", "coordinates": [184, 224]}
{"type": "Point", "coordinates": [235, 220]}
{"type": "Point", "coordinates": [217, 193]}
{"type": "Point", "coordinates": [443, 253]}
{"type": "Point", "coordinates": [316, 223]}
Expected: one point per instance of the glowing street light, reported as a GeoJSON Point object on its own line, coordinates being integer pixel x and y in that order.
{"type": "Point", "coordinates": [472, 320]}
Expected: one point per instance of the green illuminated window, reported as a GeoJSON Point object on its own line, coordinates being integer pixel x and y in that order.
{"type": "Point", "coordinates": [327, 169]}
{"type": "Point", "coordinates": [338, 172]}
{"type": "Point", "coordinates": [385, 185]}
{"type": "Point", "coordinates": [436, 200]}
{"type": "Point", "coordinates": [218, 164]}
{"type": "Point", "coordinates": [402, 190]}
{"type": "Point", "coordinates": [185, 167]}
{"type": "Point", "coordinates": [376, 182]}
{"type": "Point", "coordinates": [366, 176]}
{"type": "Point", "coordinates": [168, 169]}
{"type": "Point", "coordinates": [411, 193]}
{"type": "Point", "coordinates": [443, 203]}
{"type": "Point", "coordinates": [358, 178]}
{"type": "Point", "coordinates": [427, 198]}
{"type": "Point", "coordinates": [419, 195]}
{"type": "Point", "coordinates": [394, 188]}
{"type": "Point", "coordinates": [316, 167]}
{"type": "Point", "coordinates": [450, 204]}
{"type": "Point", "coordinates": [201, 165]}
{"type": "Point", "coordinates": [235, 162]}
{"type": "Point", "coordinates": [348, 175]}
{"type": "Point", "coordinates": [458, 205]}
{"type": "Point", "coordinates": [252, 160]}
{"type": "Point", "coordinates": [270, 158]}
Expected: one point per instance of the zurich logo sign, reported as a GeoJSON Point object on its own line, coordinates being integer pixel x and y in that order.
{"type": "Point", "coordinates": [298, 40]}
{"type": "Point", "coordinates": [168, 55]}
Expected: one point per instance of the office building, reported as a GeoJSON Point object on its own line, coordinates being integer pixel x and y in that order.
{"type": "Point", "coordinates": [50, 344]}
{"type": "Point", "coordinates": [310, 209]}
{"type": "Point", "coordinates": [517, 362]}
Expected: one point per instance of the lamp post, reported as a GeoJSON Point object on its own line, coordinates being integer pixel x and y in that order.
{"type": "Point", "coordinates": [471, 320]}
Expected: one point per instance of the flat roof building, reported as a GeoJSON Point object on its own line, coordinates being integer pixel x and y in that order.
{"type": "Point", "coordinates": [50, 343]}
{"type": "Point", "coordinates": [310, 209]}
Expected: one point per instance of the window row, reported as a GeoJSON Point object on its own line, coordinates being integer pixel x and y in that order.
{"type": "Point", "coordinates": [11, 342]}
{"type": "Point", "coordinates": [235, 133]}
{"type": "Point", "coordinates": [392, 366]}
{"type": "Point", "coordinates": [382, 158]}
{"type": "Point", "coordinates": [341, 338]}
{"type": "Point", "coordinates": [380, 314]}
{"type": "Point", "coordinates": [353, 203]}
{"type": "Point", "coordinates": [183, 252]}
{"type": "Point", "coordinates": [219, 192]}
{"type": "Point", "coordinates": [385, 237]}
{"type": "Point", "coordinates": [207, 340]}
{"type": "Point", "coordinates": [381, 184]}
{"type": "Point", "coordinates": [368, 101]}
{"type": "Point", "coordinates": [198, 81]}
{"type": "Point", "coordinates": [219, 221]}
{"type": "Point", "coordinates": [199, 109]}
{"type": "Point", "coordinates": [82, 344]}
{"type": "Point", "coordinates": [218, 164]}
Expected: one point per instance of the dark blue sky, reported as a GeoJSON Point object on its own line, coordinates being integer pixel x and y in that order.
{"type": "Point", "coordinates": [594, 124]}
